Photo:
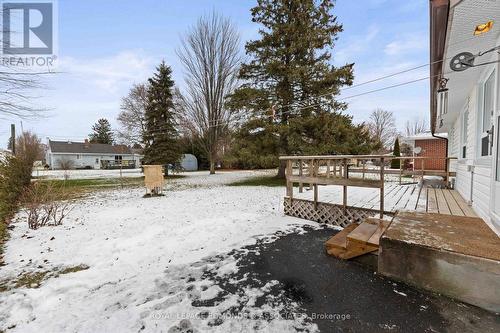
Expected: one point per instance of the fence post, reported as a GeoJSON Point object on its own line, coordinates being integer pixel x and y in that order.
{"type": "Point", "coordinates": [382, 188]}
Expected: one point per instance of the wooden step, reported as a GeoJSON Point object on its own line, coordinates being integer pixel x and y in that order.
{"type": "Point", "coordinates": [381, 228]}
{"type": "Point", "coordinates": [369, 232]}
{"type": "Point", "coordinates": [339, 241]}
{"type": "Point", "coordinates": [351, 251]}
{"type": "Point", "coordinates": [362, 233]}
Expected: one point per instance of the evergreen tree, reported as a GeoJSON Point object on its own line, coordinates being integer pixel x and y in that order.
{"type": "Point", "coordinates": [102, 132]}
{"type": "Point", "coordinates": [397, 152]}
{"type": "Point", "coordinates": [161, 136]}
{"type": "Point", "coordinates": [291, 78]}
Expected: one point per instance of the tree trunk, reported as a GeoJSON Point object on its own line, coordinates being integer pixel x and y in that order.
{"type": "Point", "coordinates": [212, 158]}
{"type": "Point", "coordinates": [281, 170]}
{"type": "Point", "coordinates": [212, 167]}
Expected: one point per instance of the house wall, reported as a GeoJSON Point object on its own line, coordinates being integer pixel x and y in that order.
{"type": "Point", "coordinates": [474, 173]}
{"type": "Point", "coordinates": [431, 148]}
{"type": "Point", "coordinates": [82, 160]}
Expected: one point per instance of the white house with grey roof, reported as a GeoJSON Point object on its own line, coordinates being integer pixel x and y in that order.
{"type": "Point", "coordinates": [86, 155]}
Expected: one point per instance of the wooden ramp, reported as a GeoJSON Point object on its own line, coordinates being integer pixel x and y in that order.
{"type": "Point", "coordinates": [357, 239]}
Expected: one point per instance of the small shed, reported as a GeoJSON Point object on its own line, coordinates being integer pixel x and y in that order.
{"type": "Point", "coordinates": [189, 162]}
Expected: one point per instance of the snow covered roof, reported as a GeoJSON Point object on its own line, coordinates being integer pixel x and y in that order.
{"type": "Point", "coordinates": [87, 148]}
{"type": "Point", "coordinates": [425, 136]}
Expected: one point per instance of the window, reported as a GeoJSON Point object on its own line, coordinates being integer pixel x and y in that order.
{"type": "Point", "coordinates": [465, 126]}
{"type": "Point", "coordinates": [78, 156]}
{"type": "Point", "coordinates": [487, 113]}
{"type": "Point", "coordinates": [97, 161]}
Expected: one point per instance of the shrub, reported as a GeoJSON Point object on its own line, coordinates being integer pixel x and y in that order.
{"type": "Point", "coordinates": [45, 204]}
{"type": "Point", "coordinates": [15, 176]}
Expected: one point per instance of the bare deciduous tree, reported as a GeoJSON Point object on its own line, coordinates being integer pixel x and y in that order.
{"type": "Point", "coordinates": [131, 116]}
{"type": "Point", "coordinates": [416, 126]}
{"type": "Point", "coordinates": [210, 56]}
{"type": "Point", "coordinates": [382, 127]}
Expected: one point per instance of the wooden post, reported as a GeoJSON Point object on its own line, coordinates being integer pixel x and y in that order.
{"type": "Point", "coordinates": [382, 187]}
{"type": "Point", "coordinates": [289, 184]}
{"type": "Point", "coordinates": [301, 185]}
{"type": "Point", "coordinates": [364, 165]}
{"type": "Point", "coordinates": [447, 168]}
{"type": "Point", "coordinates": [311, 171]}
{"type": "Point", "coordinates": [328, 168]}
{"type": "Point", "coordinates": [316, 174]}
{"type": "Point", "coordinates": [400, 170]}
{"type": "Point", "coordinates": [344, 199]}
{"type": "Point", "coordinates": [334, 168]}
{"type": "Point", "coordinates": [422, 165]}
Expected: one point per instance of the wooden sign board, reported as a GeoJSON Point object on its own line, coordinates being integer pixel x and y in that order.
{"type": "Point", "coordinates": [153, 178]}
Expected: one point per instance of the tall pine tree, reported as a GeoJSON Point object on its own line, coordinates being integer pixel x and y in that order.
{"type": "Point", "coordinates": [395, 164]}
{"type": "Point", "coordinates": [161, 136]}
{"type": "Point", "coordinates": [291, 77]}
{"type": "Point", "coordinates": [102, 132]}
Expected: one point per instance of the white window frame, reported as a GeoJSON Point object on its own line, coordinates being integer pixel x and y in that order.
{"type": "Point", "coordinates": [482, 131]}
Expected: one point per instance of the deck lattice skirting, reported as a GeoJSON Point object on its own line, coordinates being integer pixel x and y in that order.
{"type": "Point", "coordinates": [327, 212]}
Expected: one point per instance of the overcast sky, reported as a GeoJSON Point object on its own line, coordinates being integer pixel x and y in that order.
{"type": "Point", "coordinates": [106, 46]}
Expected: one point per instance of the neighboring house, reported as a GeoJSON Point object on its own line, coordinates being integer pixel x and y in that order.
{"type": "Point", "coordinates": [426, 145]}
{"type": "Point", "coordinates": [86, 155]}
{"type": "Point", "coordinates": [465, 39]}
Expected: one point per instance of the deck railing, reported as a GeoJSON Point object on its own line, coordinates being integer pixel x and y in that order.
{"type": "Point", "coordinates": [353, 170]}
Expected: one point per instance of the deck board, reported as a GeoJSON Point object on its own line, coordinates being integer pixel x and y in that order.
{"type": "Point", "coordinates": [432, 206]}
{"type": "Point", "coordinates": [443, 207]}
{"type": "Point", "coordinates": [452, 204]}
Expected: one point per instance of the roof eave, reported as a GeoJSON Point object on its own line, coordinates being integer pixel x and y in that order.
{"type": "Point", "coordinates": [438, 11]}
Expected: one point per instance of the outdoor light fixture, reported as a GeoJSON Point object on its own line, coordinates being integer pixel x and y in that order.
{"type": "Point", "coordinates": [483, 28]}
{"type": "Point", "coordinates": [442, 97]}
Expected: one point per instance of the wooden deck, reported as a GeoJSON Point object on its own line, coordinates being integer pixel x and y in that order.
{"type": "Point", "coordinates": [397, 198]}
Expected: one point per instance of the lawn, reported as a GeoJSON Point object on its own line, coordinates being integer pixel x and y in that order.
{"type": "Point", "coordinates": [271, 181]}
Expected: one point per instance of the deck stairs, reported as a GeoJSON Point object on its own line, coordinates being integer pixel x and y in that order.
{"type": "Point", "coordinates": [357, 239]}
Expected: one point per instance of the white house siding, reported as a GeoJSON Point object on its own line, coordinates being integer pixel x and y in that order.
{"type": "Point", "coordinates": [481, 174]}
{"type": "Point", "coordinates": [85, 160]}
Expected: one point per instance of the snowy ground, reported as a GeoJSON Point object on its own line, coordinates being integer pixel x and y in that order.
{"type": "Point", "coordinates": [146, 259]}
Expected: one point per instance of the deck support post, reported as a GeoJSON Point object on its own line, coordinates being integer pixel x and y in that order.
{"type": "Point", "coordinates": [311, 172]}
{"type": "Point", "coordinates": [301, 185]}
{"type": "Point", "coordinates": [344, 197]}
{"type": "Point", "coordinates": [400, 170]}
{"type": "Point", "coordinates": [382, 162]}
{"type": "Point", "coordinates": [315, 174]}
{"type": "Point", "coordinates": [289, 184]}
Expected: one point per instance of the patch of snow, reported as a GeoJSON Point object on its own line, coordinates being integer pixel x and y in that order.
{"type": "Point", "coordinates": [146, 259]}
{"type": "Point", "coordinates": [400, 293]}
